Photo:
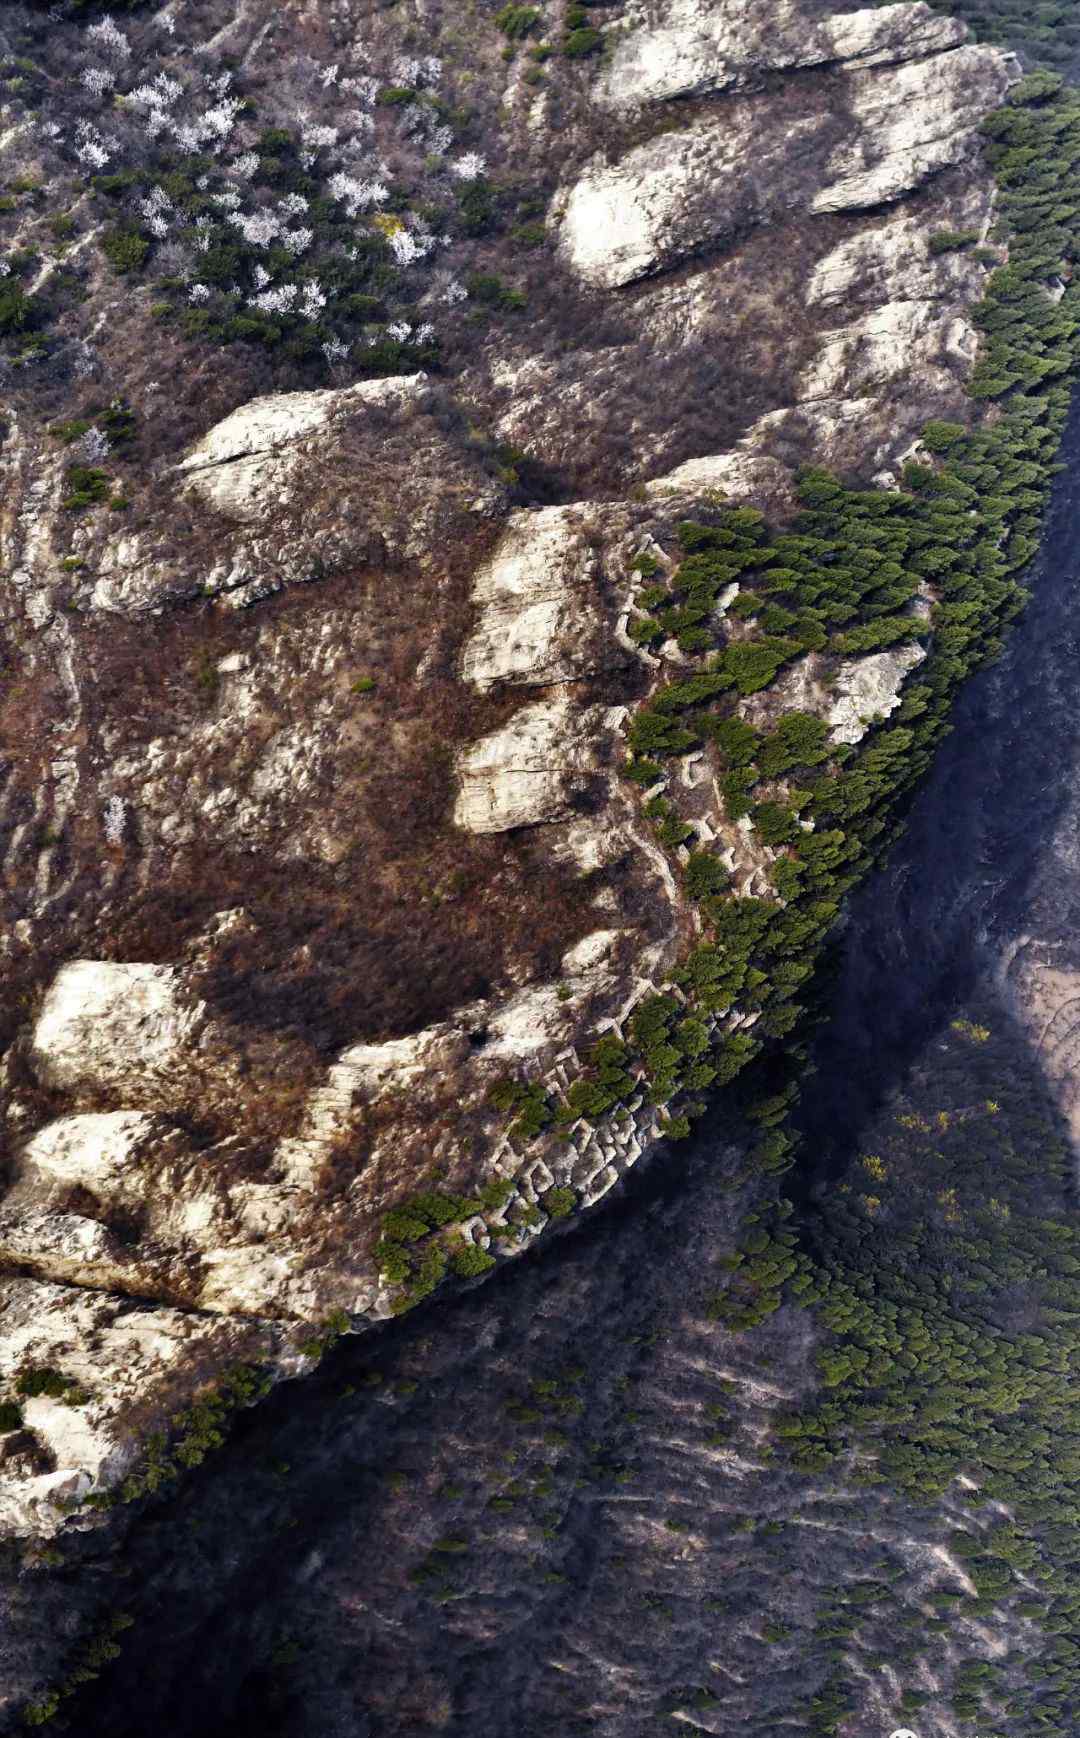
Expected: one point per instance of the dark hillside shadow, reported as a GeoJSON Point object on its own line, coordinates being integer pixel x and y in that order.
{"type": "Point", "coordinates": [961, 883]}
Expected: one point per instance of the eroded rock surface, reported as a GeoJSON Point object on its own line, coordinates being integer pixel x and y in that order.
{"type": "Point", "coordinates": [866, 689]}
{"type": "Point", "coordinates": [691, 47]}
{"type": "Point", "coordinates": [247, 463]}
{"type": "Point", "coordinates": [525, 773]}
{"type": "Point", "coordinates": [131, 1361]}
{"type": "Point", "coordinates": [538, 593]}
{"type": "Point", "coordinates": [103, 1022]}
{"type": "Point", "coordinates": [878, 134]}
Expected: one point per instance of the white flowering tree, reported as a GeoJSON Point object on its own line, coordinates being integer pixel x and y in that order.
{"type": "Point", "coordinates": [287, 230]}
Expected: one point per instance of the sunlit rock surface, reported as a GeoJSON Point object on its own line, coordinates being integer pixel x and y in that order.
{"type": "Point", "coordinates": [691, 47]}
{"type": "Point", "coordinates": [890, 129]}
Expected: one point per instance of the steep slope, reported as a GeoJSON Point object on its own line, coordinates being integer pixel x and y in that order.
{"type": "Point", "coordinates": [566, 1501]}
{"type": "Point", "coordinates": [342, 956]}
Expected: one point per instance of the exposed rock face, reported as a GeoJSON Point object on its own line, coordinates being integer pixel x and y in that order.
{"type": "Point", "coordinates": [71, 1249]}
{"type": "Point", "coordinates": [849, 697]}
{"type": "Point", "coordinates": [741, 475]}
{"type": "Point", "coordinates": [526, 772]}
{"type": "Point", "coordinates": [690, 47]}
{"type": "Point", "coordinates": [248, 476]}
{"type": "Point", "coordinates": [537, 595]}
{"type": "Point", "coordinates": [887, 262]}
{"type": "Point", "coordinates": [665, 198]}
{"type": "Point", "coordinates": [911, 122]}
{"type": "Point", "coordinates": [248, 460]}
{"type": "Point", "coordinates": [1042, 988]}
{"type": "Point", "coordinates": [868, 688]}
{"type": "Point", "coordinates": [741, 290]}
{"type": "Point", "coordinates": [100, 1150]}
{"type": "Point", "coordinates": [102, 1022]}
{"type": "Point", "coordinates": [875, 349]}
{"type": "Point", "coordinates": [130, 1359]}
{"type": "Point", "coordinates": [252, 830]}
{"type": "Point", "coordinates": [376, 1069]}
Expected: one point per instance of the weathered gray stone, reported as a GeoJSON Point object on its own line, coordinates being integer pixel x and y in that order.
{"type": "Point", "coordinates": [659, 202]}
{"type": "Point", "coordinates": [693, 46]}
{"type": "Point", "coordinates": [103, 1023]}
{"type": "Point", "coordinates": [526, 772]}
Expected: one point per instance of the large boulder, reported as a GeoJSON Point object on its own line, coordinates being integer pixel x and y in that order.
{"type": "Point", "coordinates": [527, 771]}
{"type": "Point", "coordinates": [105, 1024]}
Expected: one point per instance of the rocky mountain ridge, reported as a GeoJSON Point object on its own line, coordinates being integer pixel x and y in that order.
{"type": "Point", "coordinates": [198, 1179]}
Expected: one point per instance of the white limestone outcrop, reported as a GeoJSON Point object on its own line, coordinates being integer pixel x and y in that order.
{"type": "Point", "coordinates": [290, 488]}
{"type": "Point", "coordinates": [890, 261]}
{"type": "Point", "coordinates": [858, 691]}
{"type": "Point", "coordinates": [885, 345]}
{"type": "Point", "coordinates": [865, 689]}
{"type": "Point", "coordinates": [373, 1070]}
{"type": "Point", "coordinates": [69, 1248]}
{"type": "Point", "coordinates": [909, 123]}
{"type": "Point", "coordinates": [692, 47]}
{"type": "Point", "coordinates": [123, 1358]}
{"type": "Point", "coordinates": [104, 1023]}
{"type": "Point", "coordinates": [661, 200]}
{"type": "Point", "coordinates": [536, 593]}
{"type": "Point", "coordinates": [740, 475]}
{"type": "Point", "coordinates": [526, 771]}
{"type": "Point", "coordinates": [100, 1151]}
{"type": "Point", "coordinates": [242, 461]}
